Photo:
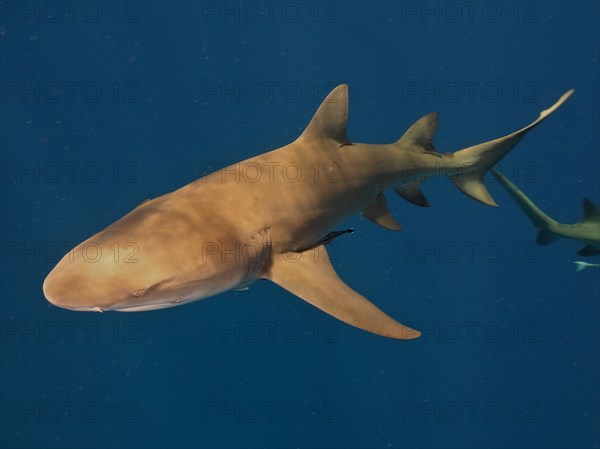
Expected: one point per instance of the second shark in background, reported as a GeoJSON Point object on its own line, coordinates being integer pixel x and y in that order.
{"type": "Point", "coordinates": [586, 231]}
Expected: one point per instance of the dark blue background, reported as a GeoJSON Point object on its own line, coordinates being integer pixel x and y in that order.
{"type": "Point", "coordinates": [529, 371]}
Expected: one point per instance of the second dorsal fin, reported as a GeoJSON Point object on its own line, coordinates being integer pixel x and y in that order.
{"type": "Point", "coordinates": [419, 136]}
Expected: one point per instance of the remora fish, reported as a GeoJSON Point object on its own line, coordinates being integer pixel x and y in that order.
{"type": "Point", "coordinates": [232, 227]}
{"type": "Point", "coordinates": [586, 231]}
{"type": "Point", "coordinates": [580, 265]}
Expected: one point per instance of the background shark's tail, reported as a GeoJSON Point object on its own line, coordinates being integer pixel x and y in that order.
{"type": "Point", "coordinates": [473, 162]}
{"type": "Point", "coordinates": [539, 219]}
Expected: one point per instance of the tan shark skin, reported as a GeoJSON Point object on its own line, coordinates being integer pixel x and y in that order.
{"type": "Point", "coordinates": [233, 227]}
{"type": "Point", "coordinates": [586, 231]}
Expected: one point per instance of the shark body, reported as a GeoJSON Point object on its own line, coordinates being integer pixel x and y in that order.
{"type": "Point", "coordinates": [586, 231]}
{"type": "Point", "coordinates": [234, 226]}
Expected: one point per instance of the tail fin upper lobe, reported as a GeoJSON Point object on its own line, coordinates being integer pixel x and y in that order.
{"type": "Point", "coordinates": [475, 161]}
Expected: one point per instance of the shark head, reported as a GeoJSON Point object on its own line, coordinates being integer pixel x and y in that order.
{"type": "Point", "coordinates": [141, 263]}
{"type": "Point", "coordinates": [96, 276]}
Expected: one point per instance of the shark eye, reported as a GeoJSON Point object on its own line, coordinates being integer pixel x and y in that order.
{"type": "Point", "coordinates": [139, 293]}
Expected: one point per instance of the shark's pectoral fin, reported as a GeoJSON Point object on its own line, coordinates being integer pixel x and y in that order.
{"type": "Point", "coordinates": [378, 213]}
{"type": "Point", "coordinates": [310, 276]}
{"type": "Point", "coordinates": [545, 237]}
{"type": "Point", "coordinates": [589, 251]}
{"type": "Point", "coordinates": [411, 192]}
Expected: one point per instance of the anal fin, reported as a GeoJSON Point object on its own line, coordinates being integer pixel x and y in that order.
{"type": "Point", "coordinates": [545, 237]}
{"type": "Point", "coordinates": [412, 193]}
{"type": "Point", "coordinates": [310, 276]}
{"type": "Point", "coordinates": [591, 212]}
{"type": "Point", "coordinates": [378, 213]}
{"type": "Point", "coordinates": [471, 184]}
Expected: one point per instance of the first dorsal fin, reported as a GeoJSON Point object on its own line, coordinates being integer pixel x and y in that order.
{"type": "Point", "coordinates": [591, 212]}
{"type": "Point", "coordinates": [329, 122]}
{"type": "Point", "coordinates": [378, 213]}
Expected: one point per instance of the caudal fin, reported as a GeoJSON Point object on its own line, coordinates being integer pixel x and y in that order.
{"type": "Point", "coordinates": [580, 266]}
{"type": "Point", "coordinates": [473, 162]}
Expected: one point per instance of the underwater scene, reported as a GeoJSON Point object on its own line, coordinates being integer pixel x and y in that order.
{"type": "Point", "coordinates": [299, 224]}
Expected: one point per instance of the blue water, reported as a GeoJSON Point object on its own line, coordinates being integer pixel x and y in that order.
{"type": "Point", "coordinates": [110, 103]}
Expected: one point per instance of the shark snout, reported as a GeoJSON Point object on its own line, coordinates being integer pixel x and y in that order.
{"type": "Point", "coordinates": [57, 291]}
{"type": "Point", "coordinates": [69, 287]}
{"type": "Point", "coordinates": [53, 291]}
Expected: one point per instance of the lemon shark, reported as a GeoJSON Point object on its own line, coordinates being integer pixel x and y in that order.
{"type": "Point", "coordinates": [586, 231]}
{"type": "Point", "coordinates": [270, 217]}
